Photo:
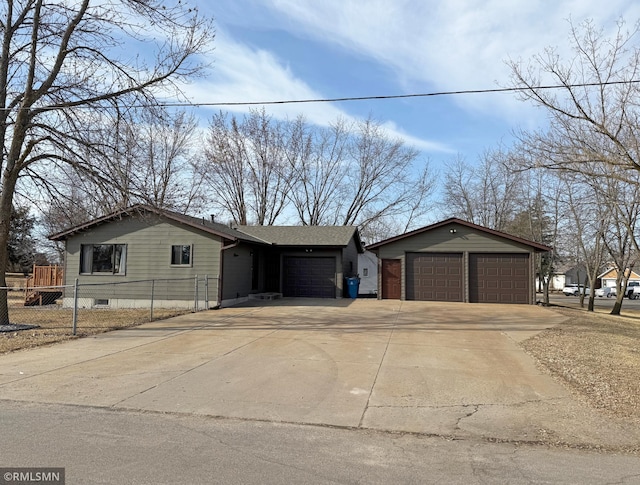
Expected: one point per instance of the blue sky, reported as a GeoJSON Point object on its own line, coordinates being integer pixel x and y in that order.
{"type": "Point", "coordinates": [297, 49]}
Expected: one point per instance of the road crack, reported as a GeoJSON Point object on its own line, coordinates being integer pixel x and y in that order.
{"type": "Point", "coordinates": [475, 409]}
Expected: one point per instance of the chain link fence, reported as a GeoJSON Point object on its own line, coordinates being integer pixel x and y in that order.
{"type": "Point", "coordinates": [56, 312]}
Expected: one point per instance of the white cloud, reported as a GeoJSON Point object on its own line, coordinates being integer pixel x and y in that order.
{"type": "Point", "coordinates": [423, 46]}
{"type": "Point", "coordinates": [448, 45]}
{"type": "Point", "coordinates": [242, 74]}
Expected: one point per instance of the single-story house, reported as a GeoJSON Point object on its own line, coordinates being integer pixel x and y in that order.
{"type": "Point", "coordinates": [145, 243]}
{"type": "Point", "coordinates": [576, 274]}
{"type": "Point", "coordinates": [556, 282]}
{"type": "Point", "coordinates": [455, 260]}
{"type": "Point", "coordinates": [608, 278]}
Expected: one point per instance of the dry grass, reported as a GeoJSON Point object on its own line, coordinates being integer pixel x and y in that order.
{"type": "Point", "coordinates": [55, 323]}
{"type": "Point", "coordinates": [16, 281]}
{"type": "Point", "coordinates": [597, 356]}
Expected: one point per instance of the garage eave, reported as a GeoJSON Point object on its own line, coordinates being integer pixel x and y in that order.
{"type": "Point", "coordinates": [536, 247]}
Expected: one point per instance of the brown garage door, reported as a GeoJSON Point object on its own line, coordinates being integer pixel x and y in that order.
{"type": "Point", "coordinates": [309, 277]}
{"type": "Point", "coordinates": [499, 278]}
{"type": "Point", "coordinates": [434, 276]}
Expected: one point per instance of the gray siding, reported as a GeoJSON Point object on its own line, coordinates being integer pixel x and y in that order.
{"type": "Point", "coordinates": [463, 240]}
{"type": "Point", "coordinates": [238, 262]}
{"type": "Point", "coordinates": [350, 259]}
{"type": "Point", "coordinates": [149, 240]}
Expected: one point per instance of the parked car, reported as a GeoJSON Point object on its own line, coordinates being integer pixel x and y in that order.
{"type": "Point", "coordinates": [574, 289]}
{"type": "Point", "coordinates": [605, 291]}
{"type": "Point", "coordinates": [633, 290]}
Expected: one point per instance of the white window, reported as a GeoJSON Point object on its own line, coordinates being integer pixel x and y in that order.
{"type": "Point", "coordinates": [181, 254]}
{"type": "Point", "coordinates": [103, 258]}
{"type": "Point", "coordinates": [365, 272]}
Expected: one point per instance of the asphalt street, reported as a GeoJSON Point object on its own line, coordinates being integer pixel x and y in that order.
{"type": "Point", "coordinates": [98, 446]}
{"type": "Point", "coordinates": [631, 307]}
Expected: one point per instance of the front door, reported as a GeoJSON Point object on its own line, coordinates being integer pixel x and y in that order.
{"type": "Point", "coordinates": [391, 278]}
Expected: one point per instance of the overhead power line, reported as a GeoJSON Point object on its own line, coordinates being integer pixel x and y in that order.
{"type": "Point", "coordinates": [397, 96]}
{"type": "Point", "coordinates": [347, 98]}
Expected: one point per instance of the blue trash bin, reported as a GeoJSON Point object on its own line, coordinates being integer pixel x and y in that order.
{"type": "Point", "coordinates": [353, 284]}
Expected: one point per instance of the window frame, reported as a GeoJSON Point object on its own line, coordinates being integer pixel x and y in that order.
{"type": "Point", "coordinates": [87, 252]}
{"type": "Point", "coordinates": [181, 265]}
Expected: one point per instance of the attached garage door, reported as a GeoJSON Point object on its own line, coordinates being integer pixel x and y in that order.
{"type": "Point", "coordinates": [434, 277]}
{"type": "Point", "coordinates": [309, 277]}
{"type": "Point", "coordinates": [499, 278]}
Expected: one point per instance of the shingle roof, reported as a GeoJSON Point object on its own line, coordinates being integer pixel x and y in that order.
{"type": "Point", "coordinates": [612, 273]}
{"type": "Point", "coordinates": [334, 236]}
{"type": "Point", "coordinates": [142, 209]}
{"type": "Point", "coordinates": [327, 236]}
{"type": "Point", "coordinates": [454, 220]}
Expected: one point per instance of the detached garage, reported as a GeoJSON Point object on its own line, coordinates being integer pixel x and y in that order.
{"type": "Point", "coordinates": [455, 260]}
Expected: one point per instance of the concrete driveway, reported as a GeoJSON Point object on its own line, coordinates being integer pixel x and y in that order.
{"type": "Point", "coordinates": [447, 369]}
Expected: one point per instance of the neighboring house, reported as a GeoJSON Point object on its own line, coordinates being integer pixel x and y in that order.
{"type": "Point", "coordinates": [556, 282]}
{"type": "Point", "coordinates": [455, 260]}
{"type": "Point", "coordinates": [143, 243]}
{"type": "Point", "coordinates": [368, 272]}
{"type": "Point", "coordinates": [608, 278]}
{"type": "Point", "coordinates": [575, 275]}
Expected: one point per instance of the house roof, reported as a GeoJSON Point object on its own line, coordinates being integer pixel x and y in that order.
{"type": "Point", "coordinates": [328, 236]}
{"type": "Point", "coordinates": [142, 209]}
{"type": "Point", "coordinates": [612, 273]}
{"type": "Point", "coordinates": [534, 245]}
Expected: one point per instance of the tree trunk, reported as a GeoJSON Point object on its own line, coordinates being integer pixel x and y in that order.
{"type": "Point", "coordinates": [617, 306]}
{"type": "Point", "coordinates": [621, 287]}
{"type": "Point", "coordinates": [545, 291]}
{"type": "Point", "coordinates": [6, 201]}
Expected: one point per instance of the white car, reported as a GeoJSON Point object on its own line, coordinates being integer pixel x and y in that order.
{"type": "Point", "coordinates": [605, 291]}
{"type": "Point", "coordinates": [574, 289]}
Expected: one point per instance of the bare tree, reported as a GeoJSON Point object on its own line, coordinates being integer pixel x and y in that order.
{"type": "Point", "coordinates": [354, 174]}
{"type": "Point", "coordinates": [224, 169]}
{"type": "Point", "coordinates": [317, 159]}
{"type": "Point", "coordinates": [381, 180]}
{"type": "Point", "coordinates": [267, 174]}
{"type": "Point", "coordinates": [486, 194]}
{"type": "Point", "coordinates": [148, 157]}
{"type": "Point", "coordinates": [154, 160]}
{"type": "Point", "coordinates": [589, 222]}
{"type": "Point", "coordinates": [346, 174]}
{"type": "Point", "coordinates": [61, 68]}
{"type": "Point", "coordinates": [593, 125]}
{"type": "Point", "coordinates": [246, 166]}
{"type": "Point", "coordinates": [540, 218]}
{"type": "Point", "coordinates": [594, 117]}
{"type": "Point", "coordinates": [622, 202]}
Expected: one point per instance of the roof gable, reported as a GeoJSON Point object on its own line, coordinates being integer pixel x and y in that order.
{"type": "Point", "coordinates": [203, 224]}
{"type": "Point", "coordinates": [327, 236]}
{"type": "Point", "coordinates": [534, 245]}
{"type": "Point", "coordinates": [612, 273]}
